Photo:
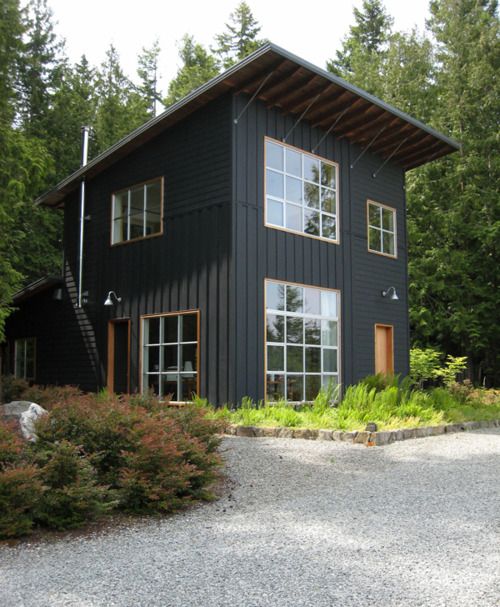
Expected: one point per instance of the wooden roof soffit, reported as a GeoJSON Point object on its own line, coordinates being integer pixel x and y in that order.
{"type": "Point", "coordinates": [367, 115]}
{"type": "Point", "coordinates": [433, 151]}
{"type": "Point", "coordinates": [345, 100]}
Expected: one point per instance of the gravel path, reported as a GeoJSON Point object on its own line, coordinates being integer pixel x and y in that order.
{"type": "Point", "coordinates": [303, 523]}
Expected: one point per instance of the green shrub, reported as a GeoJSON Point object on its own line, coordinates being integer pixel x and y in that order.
{"type": "Point", "coordinates": [71, 493]}
{"type": "Point", "coordinates": [13, 388]}
{"type": "Point", "coordinates": [424, 365]}
{"type": "Point", "coordinates": [20, 490]}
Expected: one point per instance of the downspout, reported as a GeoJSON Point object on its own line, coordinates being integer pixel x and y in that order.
{"type": "Point", "coordinates": [85, 149]}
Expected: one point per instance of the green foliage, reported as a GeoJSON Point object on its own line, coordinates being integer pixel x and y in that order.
{"type": "Point", "coordinates": [11, 445]}
{"type": "Point", "coordinates": [452, 367]}
{"type": "Point", "coordinates": [71, 494]}
{"type": "Point", "coordinates": [198, 66]}
{"type": "Point", "coordinates": [240, 38]}
{"type": "Point", "coordinates": [424, 364]}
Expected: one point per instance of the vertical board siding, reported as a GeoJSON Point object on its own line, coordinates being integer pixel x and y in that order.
{"type": "Point", "coordinates": [261, 252]}
{"type": "Point", "coordinates": [185, 268]}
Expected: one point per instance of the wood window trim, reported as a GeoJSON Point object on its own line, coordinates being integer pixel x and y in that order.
{"type": "Point", "coordinates": [110, 379]}
{"type": "Point", "coordinates": [384, 326]}
{"type": "Point", "coordinates": [25, 340]}
{"type": "Point", "coordinates": [339, 324]}
{"type": "Point", "coordinates": [395, 213]}
{"type": "Point", "coordinates": [198, 348]}
{"type": "Point", "coordinates": [337, 191]}
{"type": "Point", "coordinates": [161, 179]}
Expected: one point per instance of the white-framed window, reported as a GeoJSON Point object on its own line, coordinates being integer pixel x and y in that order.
{"type": "Point", "coordinates": [170, 355]}
{"type": "Point", "coordinates": [137, 212]}
{"type": "Point", "coordinates": [381, 220]}
{"type": "Point", "coordinates": [302, 340]}
{"type": "Point", "coordinates": [301, 192]}
{"type": "Point", "coordinates": [24, 358]}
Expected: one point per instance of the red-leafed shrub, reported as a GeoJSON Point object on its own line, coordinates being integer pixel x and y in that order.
{"type": "Point", "coordinates": [71, 492]}
{"type": "Point", "coordinates": [98, 452]}
{"type": "Point", "coordinates": [20, 490]}
{"type": "Point", "coordinates": [11, 444]}
{"type": "Point", "coordinates": [46, 396]}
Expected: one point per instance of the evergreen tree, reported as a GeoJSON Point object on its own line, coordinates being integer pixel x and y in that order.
{"type": "Point", "coordinates": [39, 61]}
{"type": "Point", "coordinates": [240, 38]}
{"type": "Point", "coordinates": [198, 66]}
{"type": "Point", "coordinates": [74, 104]}
{"type": "Point", "coordinates": [121, 108]}
{"type": "Point", "coordinates": [148, 73]}
{"type": "Point", "coordinates": [455, 275]}
{"type": "Point", "coordinates": [361, 59]}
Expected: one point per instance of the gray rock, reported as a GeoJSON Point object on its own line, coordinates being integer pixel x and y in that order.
{"type": "Point", "coordinates": [305, 433]}
{"type": "Point", "coordinates": [285, 432]}
{"type": "Point", "coordinates": [436, 430]}
{"type": "Point", "coordinates": [399, 435]}
{"type": "Point", "coordinates": [348, 436]}
{"type": "Point", "coordinates": [454, 428]}
{"type": "Point", "coordinates": [248, 431]}
{"type": "Point", "coordinates": [471, 425]}
{"type": "Point", "coordinates": [337, 435]}
{"type": "Point", "coordinates": [14, 409]}
{"type": "Point", "coordinates": [423, 432]}
{"type": "Point", "coordinates": [362, 437]}
{"type": "Point", "coordinates": [409, 433]}
{"type": "Point", "coordinates": [28, 419]}
{"type": "Point", "coordinates": [383, 438]}
{"type": "Point", "coordinates": [325, 435]}
{"type": "Point", "coordinates": [269, 431]}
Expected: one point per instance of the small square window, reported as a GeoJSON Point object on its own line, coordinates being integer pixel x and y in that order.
{"type": "Point", "coordinates": [381, 229]}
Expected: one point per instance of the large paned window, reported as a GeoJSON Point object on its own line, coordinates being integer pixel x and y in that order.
{"type": "Point", "coordinates": [170, 345]}
{"type": "Point", "coordinates": [24, 358]}
{"type": "Point", "coordinates": [301, 192]}
{"type": "Point", "coordinates": [381, 229]}
{"type": "Point", "coordinates": [137, 212]}
{"type": "Point", "coordinates": [302, 341]}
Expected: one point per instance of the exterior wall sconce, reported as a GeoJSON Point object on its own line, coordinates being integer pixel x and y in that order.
{"type": "Point", "coordinates": [109, 299]}
{"type": "Point", "coordinates": [387, 293]}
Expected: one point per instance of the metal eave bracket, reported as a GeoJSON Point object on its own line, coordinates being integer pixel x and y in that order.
{"type": "Point", "coordinates": [259, 88]}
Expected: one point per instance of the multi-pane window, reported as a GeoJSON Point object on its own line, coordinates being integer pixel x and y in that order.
{"type": "Point", "coordinates": [137, 212]}
{"type": "Point", "coordinates": [24, 358]}
{"type": "Point", "coordinates": [302, 341]}
{"type": "Point", "coordinates": [170, 355]}
{"type": "Point", "coordinates": [301, 192]}
{"type": "Point", "coordinates": [381, 229]}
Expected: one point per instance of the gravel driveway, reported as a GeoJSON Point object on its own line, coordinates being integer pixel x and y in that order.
{"type": "Point", "coordinates": [302, 523]}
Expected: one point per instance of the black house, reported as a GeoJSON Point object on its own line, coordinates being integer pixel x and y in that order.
{"type": "Point", "coordinates": [250, 240]}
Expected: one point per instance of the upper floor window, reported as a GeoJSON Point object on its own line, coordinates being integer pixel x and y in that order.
{"type": "Point", "coordinates": [381, 229]}
{"type": "Point", "coordinates": [24, 358]}
{"type": "Point", "coordinates": [137, 212]}
{"type": "Point", "coordinates": [301, 192]}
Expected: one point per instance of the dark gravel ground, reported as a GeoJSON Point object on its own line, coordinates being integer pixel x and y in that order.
{"type": "Point", "coordinates": [301, 523]}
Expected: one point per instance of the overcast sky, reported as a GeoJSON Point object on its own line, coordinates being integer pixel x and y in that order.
{"type": "Point", "coordinates": [90, 26]}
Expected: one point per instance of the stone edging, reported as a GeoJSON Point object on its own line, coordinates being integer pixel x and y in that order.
{"type": "Point", "coordinates": [370, 439]}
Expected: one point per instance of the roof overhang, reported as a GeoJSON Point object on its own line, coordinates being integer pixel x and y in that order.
{"type": "Point", "coordinates": [36, 287]}
{"type": "Point", "coordinates": [280, 79]}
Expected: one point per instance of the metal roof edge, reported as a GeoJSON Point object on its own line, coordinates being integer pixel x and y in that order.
{"type": "Point", "coordinates": [269, 46]}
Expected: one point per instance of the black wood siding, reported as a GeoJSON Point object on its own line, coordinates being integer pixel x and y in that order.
{"type": "Point", "coordinates": [261, 252]}
{"type": "Point", "coordinates": [186, 268]}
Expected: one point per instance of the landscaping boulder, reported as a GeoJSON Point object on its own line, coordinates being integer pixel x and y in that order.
{"type": "Point", "coordinates": [25, 414]}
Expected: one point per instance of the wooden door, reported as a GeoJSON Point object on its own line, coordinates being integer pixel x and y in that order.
{"type": "Point", "coordinates": [384, 349]}
{"type": "Point", "coordinates": [119, 356]}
